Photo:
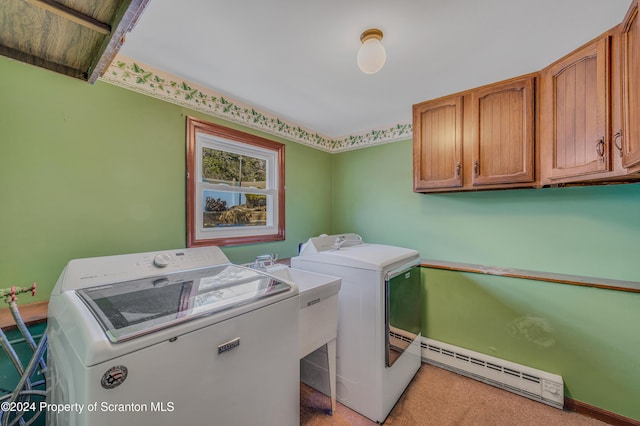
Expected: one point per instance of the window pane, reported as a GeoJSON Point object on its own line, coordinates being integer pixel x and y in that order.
{"type": "Point", "coordinates": [233, 169]}
{"type": "Point", "coordinates": [227, 208]}
{"type": "Point", "coordinates": [235, 186]}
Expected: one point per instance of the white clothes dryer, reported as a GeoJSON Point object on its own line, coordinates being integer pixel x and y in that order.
{"type": "Point", "coordinates": [378, 343]}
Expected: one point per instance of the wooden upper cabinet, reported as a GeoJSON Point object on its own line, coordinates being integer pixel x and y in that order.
{"type": "Point", "coordinates": [575, 122]}
{"type": "Point", "coordinates": [437, 144]}
{"type": "Point", "coordinates": [478, 139]}
{"type": "Point", "coordinates": [503, 138]}
{"type": "Point", "coordinates": [575, 114]}
{"type": "Point", "coordinates": [630, 40]}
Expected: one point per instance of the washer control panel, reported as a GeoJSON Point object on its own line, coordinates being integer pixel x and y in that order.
{"type": "Point", "coordinates": [162, 260]}
{"type": "Point", "coordinates": [83, 273]}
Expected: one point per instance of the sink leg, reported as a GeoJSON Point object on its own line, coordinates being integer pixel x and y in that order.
{"type": "Point", "coordinates": [331, 361]}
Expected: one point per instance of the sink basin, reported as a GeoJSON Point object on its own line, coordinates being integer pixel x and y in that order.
{"type": "Point", "coordinates": [318, 295]}
{"type": "Point", "coordinates": [310, 284]}
{"type": "Point", "coordinates": [318, 305]}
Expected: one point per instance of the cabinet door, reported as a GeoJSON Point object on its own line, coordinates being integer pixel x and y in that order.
{"type": "Point", "coordinates": [437, 144]}
{"type": "Point", "coordinates": [503, 133]}
{"type": "Point", "coordinates": [577, 112]}
{"type": "Point", "coordinates": [631, 88]}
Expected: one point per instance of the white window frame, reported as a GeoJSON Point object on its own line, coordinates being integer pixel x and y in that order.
{"type": "Point", "coordinates": [201, 135]}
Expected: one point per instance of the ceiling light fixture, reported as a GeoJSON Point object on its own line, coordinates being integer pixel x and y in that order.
{"type": "Point", "coordinates": [371, 55]}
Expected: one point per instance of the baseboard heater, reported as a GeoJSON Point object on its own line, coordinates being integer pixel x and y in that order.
{"type": "Point", "coordinates": [529, 382]}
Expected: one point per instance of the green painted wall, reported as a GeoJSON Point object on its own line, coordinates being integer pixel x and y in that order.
{"type": "Point", "coordinates": [99, 170]}
{"type": "Point", "coordinates": [591, 231]}
{"type": "Point", "coordinates": [587, 335]}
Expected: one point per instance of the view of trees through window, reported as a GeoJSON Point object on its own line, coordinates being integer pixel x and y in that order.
{"type": "Point", "coordinates": [235, 186]}
{"type": "Point", "coordinates": [232, 207]}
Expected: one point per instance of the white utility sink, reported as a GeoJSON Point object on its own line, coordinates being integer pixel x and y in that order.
{"type": "Point", "coordinates": [318, 314]}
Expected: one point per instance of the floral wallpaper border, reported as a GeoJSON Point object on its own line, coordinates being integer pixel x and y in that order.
{"type": "Point", "coordinates": [127, 73]}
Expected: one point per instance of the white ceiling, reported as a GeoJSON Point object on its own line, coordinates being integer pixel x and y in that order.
{"type": "Point", "coordinates": [296, 59]}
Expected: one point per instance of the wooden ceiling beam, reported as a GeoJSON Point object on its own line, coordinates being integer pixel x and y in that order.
{"type": "Point", "coordinates": [124, 20]}
{"type": "Point", "coordinates": [72, 15]}
{"type": "Point", "coordinates": [39, 62]}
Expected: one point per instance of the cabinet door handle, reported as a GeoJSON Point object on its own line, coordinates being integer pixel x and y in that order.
{"type": "Point", "coordinates": [476, 169]}
{"type": "Point", "coordinates": [458, 169]}
{"type": "Point", "coordinates": [600, 148]}
{"type": "Point", "coordinates": [615, 139]}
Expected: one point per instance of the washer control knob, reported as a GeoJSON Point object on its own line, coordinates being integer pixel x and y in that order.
{"type": "Point", "coordinates": [162, 260]}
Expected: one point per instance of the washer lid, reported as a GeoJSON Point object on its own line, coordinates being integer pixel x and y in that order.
{"type": "Point", "coordinates": [364, 256]}
{"type": "Point", "coordinates": [130, 309]}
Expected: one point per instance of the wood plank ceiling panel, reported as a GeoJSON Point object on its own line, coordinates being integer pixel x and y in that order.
{"type": "Point", "coordinates": [74, 37]}
{"type": "Point", "coordinates": [100, 10]}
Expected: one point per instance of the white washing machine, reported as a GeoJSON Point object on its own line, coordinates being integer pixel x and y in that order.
{"type": "Point", "coordinates": [168, 338]}
{"type": "Point", "coordinates": [378, 344]}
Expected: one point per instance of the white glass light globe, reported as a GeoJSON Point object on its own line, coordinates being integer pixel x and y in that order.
{"type": "Point", "coordinates": [371, 56]}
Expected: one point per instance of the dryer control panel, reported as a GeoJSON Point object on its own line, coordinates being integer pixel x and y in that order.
{"type": "Point", "coordinates": [329, 242]}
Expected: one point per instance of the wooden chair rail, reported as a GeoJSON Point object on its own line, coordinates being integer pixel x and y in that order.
{"type": "Point", "coordinates": [605, 283]}
{"type": "Point", "coordinates": [31, 313]}
{"type": "Point", "coordinates": [37, 312]}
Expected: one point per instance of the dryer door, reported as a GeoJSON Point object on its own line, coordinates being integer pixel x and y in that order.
{"type": "Point", "coordinates": [402, 310]}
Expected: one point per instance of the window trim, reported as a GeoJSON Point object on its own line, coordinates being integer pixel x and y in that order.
{"type": "Point", "coordinates": [195, 126]}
